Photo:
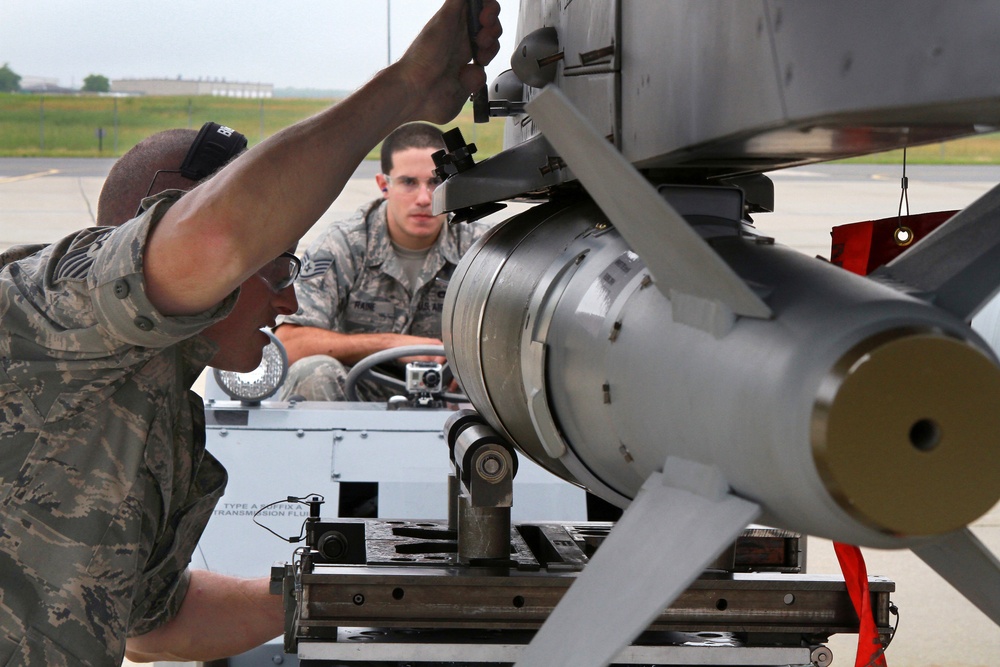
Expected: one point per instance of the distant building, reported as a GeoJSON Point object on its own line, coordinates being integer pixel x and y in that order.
{"type": "Point", "coordinates": [42, 84]}
{"type": "Point", "coordinates": [178, 86]}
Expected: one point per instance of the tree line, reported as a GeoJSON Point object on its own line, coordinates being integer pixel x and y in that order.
{"type": "Point", "coordinates": [10, 82]}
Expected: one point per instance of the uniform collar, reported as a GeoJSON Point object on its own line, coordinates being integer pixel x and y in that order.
{"type": "Point", "coordinates": [196, 353]}
{"type": "Point", "coordinates": [379, 248]}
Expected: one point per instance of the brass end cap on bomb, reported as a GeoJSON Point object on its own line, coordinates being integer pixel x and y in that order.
{"type": "Point", "coordinates": [906, 433]}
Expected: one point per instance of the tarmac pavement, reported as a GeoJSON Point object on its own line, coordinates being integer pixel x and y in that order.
{"type": "Point", "coordinates": [42, 199]}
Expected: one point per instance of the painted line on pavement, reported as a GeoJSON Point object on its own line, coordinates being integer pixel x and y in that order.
{"type": "Point", "coordinates": [28, 177]}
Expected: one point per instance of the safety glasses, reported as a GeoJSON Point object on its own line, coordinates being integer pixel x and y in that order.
{"type": "Point", "coordinates": [410, 185]}
{"type": "Point", "coordinates": [280, 272]}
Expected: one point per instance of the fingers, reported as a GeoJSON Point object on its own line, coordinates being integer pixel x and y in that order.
{"type": "Point", "coordinates": [490, 14]}
{"type": "Point", "coordinates": [442, 40]}
{"type": "Point", "coordinates": [429, 341]}
{"type": "Point", "coordinates": [487, 40]}
{"type": "Point", "coordinates": [472, 78]}
{"type": "Point", "coordinates": [486, 54]}
{"type": "Point", "coordinates": [436, 360]}
{"type": "Point", "coordinates": [437, 65]}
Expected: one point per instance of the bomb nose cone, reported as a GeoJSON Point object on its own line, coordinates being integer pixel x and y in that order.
{"type": "Point", "coordinates": [906, 433]}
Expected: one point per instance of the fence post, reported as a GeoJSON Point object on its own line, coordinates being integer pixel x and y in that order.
{"type": "Point", "coordinates": [116, 126]}
{"type": "Point", "coordinates": [41, 123]}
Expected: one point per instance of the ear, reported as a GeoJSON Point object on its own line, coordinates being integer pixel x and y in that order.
{"type": "Point", "coordinates": [382, 184]}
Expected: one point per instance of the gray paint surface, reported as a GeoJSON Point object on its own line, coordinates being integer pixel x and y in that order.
{"type": "Point", "coordinates": [938, 626]}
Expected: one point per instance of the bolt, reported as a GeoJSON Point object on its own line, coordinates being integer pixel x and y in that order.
{"type": "Point", "coordinates": [491, 465]}
{"type": "Point", "coordinates": [359, 599]}
{"type": "Point", "coordinates": [615, 330]}
{"type": "Point", "coordinates": [821, 656]}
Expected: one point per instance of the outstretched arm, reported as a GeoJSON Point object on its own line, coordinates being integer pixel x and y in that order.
{"type": "Point", "coordinates": [220, 617]}
{"type": "Point", "coordinates": [220, 233]}
{"type": "Point", "coordinates": [304, 341]}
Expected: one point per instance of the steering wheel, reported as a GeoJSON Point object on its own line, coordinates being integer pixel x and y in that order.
{"type": "Point", "coordinates": [363, 369]}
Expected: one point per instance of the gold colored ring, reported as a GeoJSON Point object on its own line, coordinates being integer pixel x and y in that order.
{"type": "Point", "coordinates": [903, 236]}
{"type": "Point", "coordinates": [906, 430]}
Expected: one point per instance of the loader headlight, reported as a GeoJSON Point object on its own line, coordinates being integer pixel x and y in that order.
{"type": "Point", "coordinates": [263, 381]}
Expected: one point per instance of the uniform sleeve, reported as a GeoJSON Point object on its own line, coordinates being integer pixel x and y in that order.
{"type": "Point", "coordinates": [326, 280]}
{"type": "Point", "coordinates": [165, 584]}
{"type": "Point", "coordinates": [165, 579]}
{"type": "Point", "coordinates": [164, 607]}
{"type": "Point", "coordinates": [475, 231]}
{"type": "Point", "coordinates": [114, 276]}
{"type": "Point", "coordinates": [83, 298]}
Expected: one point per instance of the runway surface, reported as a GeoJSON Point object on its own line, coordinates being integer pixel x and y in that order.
{"type": "Point", "coordinates": [42, 199]}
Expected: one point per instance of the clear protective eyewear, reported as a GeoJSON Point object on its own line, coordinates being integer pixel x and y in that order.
{"type": "Point", "coordinates": [280, 272]}
{"type": "Point", "coordinates": [410, 185]}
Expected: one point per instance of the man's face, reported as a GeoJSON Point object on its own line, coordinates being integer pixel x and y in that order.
{"type": "Point", "coordinates": [409, 189]}
{"type": "Point", "coordinates": [241, 343]}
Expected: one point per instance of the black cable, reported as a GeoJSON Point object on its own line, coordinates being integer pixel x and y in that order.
{"type": "Point", "coordinates": [894, 610]}
{"type": "Point", "coordinates": [873, 661]}
{"type": "Point", "coordinates": [304, 500]}
{"type": "Point", "coordinates": [904, 184]}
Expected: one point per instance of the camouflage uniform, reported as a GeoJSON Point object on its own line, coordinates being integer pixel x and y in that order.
{"type": "Point", "coordinates": [352, 282]}
{"type": "Point", "coordinates": [105, 485]}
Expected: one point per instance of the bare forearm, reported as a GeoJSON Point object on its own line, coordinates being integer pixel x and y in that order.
{"type": "Point", "coordinates": [276, 192]}
{"type": "Point", "coordinates": [222, 231]}
{"type": "Point", "coordinates": [220, 617]}
{"type": "Point", "coordinates": [303, 341]}
{"type": "Point", "coordinates": [265, 200]}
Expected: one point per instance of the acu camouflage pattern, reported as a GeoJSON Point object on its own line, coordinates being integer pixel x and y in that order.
{"type": "Point", "coordinates": [352, 282]}
{"type": "Point", "coordinates": [105, 485]}
{"type": "Point", "coordinates": [323, 378]}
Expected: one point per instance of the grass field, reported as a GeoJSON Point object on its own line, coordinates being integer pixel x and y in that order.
{"type": "Point", "coordinates": [67, 126]}
{"type": "Point", "coordinates": [981, 149]}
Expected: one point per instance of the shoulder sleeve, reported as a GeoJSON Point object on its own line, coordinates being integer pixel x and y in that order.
{"type": "Point", "coordinates": [328, 274]}
{"type": "Point", "coordinates": [469, 233]}
{"type": "Point", "coordinates": [85, 295]}
{"type": "Point", "coordinates": [165, 582]}
{"type": "Point", "coordinates": [118, 289]}
{"type": "Point", "coordinates": [165, 606]}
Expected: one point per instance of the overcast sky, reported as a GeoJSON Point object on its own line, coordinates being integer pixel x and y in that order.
{"type": "Point", "coordinates": [326, 44]}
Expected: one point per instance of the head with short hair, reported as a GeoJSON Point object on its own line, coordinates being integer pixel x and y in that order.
{"type": "Point", "coordinates": [237, 336]}
{"type": "Point", "coordinates": [411, 135]}
{"type": "Point", "coordinates": [132, 175]}
{"type": "Point", "coordinates": [407, 181]}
